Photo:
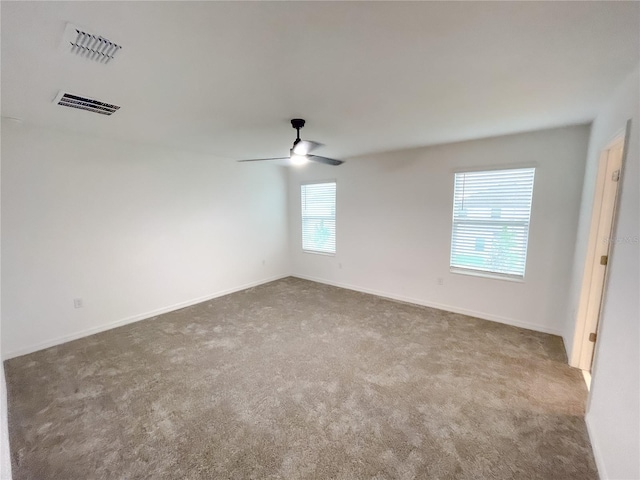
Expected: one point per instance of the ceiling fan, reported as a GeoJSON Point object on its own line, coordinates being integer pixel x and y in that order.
{"type": "Point", "coordinates": [300, 152]}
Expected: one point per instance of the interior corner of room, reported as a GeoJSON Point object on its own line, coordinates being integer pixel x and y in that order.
{"type": "Point", "coordinates": [136, 203]}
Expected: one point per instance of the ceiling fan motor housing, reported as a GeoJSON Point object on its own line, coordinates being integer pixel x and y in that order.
{"type": "Point", "coordinates": [297, 123]}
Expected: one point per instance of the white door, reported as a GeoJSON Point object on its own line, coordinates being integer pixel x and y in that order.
{"type": "Point", "coordinates": [600, 242]}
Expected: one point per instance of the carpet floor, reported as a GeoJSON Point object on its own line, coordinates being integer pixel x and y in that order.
{"type": "Point", "coordinates": [298, 380]}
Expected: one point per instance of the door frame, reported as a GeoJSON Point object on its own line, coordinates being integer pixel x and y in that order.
{"type": "Point", "coordinates": [584, 323]}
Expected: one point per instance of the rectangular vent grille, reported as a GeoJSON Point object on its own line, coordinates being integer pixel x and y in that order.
{"type": "Point", "coordinates": [83, 103]}
{"type": "Point", "coordinates": [88, 45]}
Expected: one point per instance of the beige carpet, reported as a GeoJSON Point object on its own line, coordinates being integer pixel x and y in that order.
{"type": "Point", "coordinates": [298, 380]}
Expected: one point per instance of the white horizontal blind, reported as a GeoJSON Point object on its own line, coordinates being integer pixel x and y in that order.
{"type": "Point", "coordinates": [491, 211]}
{"type": "Point", "coordinates": [319, 217]}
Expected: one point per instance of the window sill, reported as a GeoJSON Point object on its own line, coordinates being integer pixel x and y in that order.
{"type": "Point", "coordinates": [325, 254]}
{"type": "Point", "coordinates": [493, 276]}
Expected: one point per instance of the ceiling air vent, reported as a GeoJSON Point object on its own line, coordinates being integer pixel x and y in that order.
{"type": "Point", "coordinates": [84, 103]}
{"type": "Point", "coordinates": [89, 45]}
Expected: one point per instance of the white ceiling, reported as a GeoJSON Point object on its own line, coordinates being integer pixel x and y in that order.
{"type": "Point", "coordinates": [226, 77]}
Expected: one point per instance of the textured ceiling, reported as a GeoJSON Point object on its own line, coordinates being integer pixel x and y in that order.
{"type": "Point", "coordinates": [225, 77]}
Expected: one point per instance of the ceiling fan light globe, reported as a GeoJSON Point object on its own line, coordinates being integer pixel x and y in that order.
{"type": "Point", "coordinates": [298, 159]}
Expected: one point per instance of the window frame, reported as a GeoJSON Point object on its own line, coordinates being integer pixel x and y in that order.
{"type": "Point", "coordinates": [335, 217]}
{"type": "Point", "coordinates": [484, 273]}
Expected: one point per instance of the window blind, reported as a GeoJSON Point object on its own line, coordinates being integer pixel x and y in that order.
{"type": "Point", "coordinates": [491, 212]}
{"type": "Point", "coordinates": [319, 217]}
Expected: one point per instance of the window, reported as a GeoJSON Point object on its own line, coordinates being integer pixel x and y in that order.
{"type": "Point", "coordinates": [491, 212]}
{"type": "Point", "coordinates": [319, 217]}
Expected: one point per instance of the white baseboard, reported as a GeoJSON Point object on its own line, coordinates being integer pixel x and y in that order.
{"type": "Point", "coordinates": [188, 303]}
{"type": "Point", "coordinates": [135, 318]}
{"type": "Point", "coordinates": [439, 306]}
{"type": "Point", "coordinates": [597, 455]}
{"type": "Point", "coordinates": [587, 378]}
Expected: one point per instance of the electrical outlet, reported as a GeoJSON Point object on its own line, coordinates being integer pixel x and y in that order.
{"type": "Point", "coordinates": [77, 303]}
{"type": "Point", "coordinates": [440, 281]}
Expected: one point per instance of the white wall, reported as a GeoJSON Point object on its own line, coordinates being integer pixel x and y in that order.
{"type": "Point", "coordinates": [613, 415]}
{"type": "Point", "coordinates": [129, 228]}
{"type": "Point", "coordinates": [5, 452]}
{"type": "Point", "coordinates": [394, 226]}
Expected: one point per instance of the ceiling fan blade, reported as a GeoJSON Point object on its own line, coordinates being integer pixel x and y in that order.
{"type": "Point", "coordinates": [325, 160]}
{"type": "Point", "coordinates": [263, 159]}
{"type": "Point", "coordinates": [304, 147]}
